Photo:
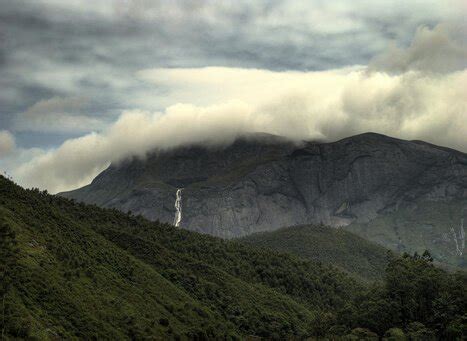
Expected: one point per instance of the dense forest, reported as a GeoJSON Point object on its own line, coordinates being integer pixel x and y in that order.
{"type": "Point", "coordinates": [331, 246]}
{"type": "Point", "coordinates": [70, 270]}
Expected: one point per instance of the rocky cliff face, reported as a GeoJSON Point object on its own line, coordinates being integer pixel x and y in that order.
{"type": "Point", "coordinates": [265, 182]}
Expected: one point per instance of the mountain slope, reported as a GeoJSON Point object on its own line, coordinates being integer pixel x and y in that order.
{"type": "Point", "coordinates": [82, 271]}
{"type": "Point", "coordinates": [72, 282]}
{"type": "Point", "coordinates": [263, 182]}
{"type": "Point", "coordinates": [327, 245]}
{"type": "Point", "coordinates": [73, 271]}
{"type": "Point", "coordinates": [434, 226]}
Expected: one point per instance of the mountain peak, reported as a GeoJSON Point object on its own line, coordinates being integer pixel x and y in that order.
{"type": "Point", "coordinates": [264, 181]}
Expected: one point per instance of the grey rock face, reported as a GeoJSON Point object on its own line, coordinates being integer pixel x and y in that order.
{"type": "Point", "coordinates": [266, 182]}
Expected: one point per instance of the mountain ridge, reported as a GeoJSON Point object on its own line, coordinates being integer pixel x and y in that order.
{"type": "Point", "coordinates": [254, 185]}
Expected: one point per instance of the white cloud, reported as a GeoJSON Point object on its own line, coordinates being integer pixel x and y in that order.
{"type": "Point", "coordinates": [327, 105]}
{"type": "Point", "coordinates": [7, 143]}
{"type": "Point", "coordinates": [204, 86]}
{"type": "Point", "coordinates": [420, 98]}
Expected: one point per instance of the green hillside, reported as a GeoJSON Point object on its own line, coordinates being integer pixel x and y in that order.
{"type": "Point", "coordinates": [83, 271]}
{"type": "Point", "coordinates": [330, 246]}
{"type": "Point", "coordinates": [71, 271]}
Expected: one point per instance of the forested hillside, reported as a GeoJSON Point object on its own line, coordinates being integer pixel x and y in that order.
{"type": "Point", "coordinates": [327, 245]}
{"type": "Point", "coordinates": [78, 271]}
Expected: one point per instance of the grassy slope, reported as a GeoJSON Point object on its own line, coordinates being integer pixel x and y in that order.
{"type": "Point", "coordinates": [331, 246]}
{"type": "Point", "coordinates": [424, 227]}
{"type": "Point", "coordinates": [88, 272]}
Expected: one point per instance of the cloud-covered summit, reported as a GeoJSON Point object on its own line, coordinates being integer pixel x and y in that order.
{"type": "Point", "coordinates": [88, 83]}
{"type": "Point", "coordinates": [299, 105]}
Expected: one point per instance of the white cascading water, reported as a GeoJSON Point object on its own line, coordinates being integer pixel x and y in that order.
{"type": "Point", "coordinates": [178, 207]}
{"type": "Point", "coordinates": [454, 237]}
{"type": "Point", "coordinates": [459, 242]}
{"type": "Point", "coordinates": [461, 246]}
{"type": "Point", "coordinates": [462, 235]}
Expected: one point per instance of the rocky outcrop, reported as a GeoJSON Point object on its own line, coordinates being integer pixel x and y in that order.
{"type": "Point", "coordinates": [265, 182]}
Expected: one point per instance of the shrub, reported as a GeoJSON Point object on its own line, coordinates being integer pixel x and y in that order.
{"type": "Point", "coordinates": [362, 334]}
{"type": "Point", "coordinates": [418, 332]}
{"type": "Point", "coordinates": [394, 334]}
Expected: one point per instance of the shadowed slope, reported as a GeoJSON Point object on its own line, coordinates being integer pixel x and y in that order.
{"type": "Point", "coordinates": [327, 245]}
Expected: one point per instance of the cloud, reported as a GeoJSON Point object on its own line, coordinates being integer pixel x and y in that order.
{"type": "Point", "coordinates": [57, 114]}
{"type": "Point", "coordinates": [92, 48]}
{"type": "Point", "coordinates": [286, 67]}
{"type": "Point", "coordinates": [78, 160]}
{"type": "Point", "coordinates": [300, 105]}
{"type": "Point", "coordinates": [7, 143]}
{"type": "Point", "coordinates": [434, 50]}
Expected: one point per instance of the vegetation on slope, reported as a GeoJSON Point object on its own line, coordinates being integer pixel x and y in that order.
{"type": "Point", "coordinates": [330, 246]}
{"type": "Point", "coordinates": [83, 271]}
{"type": "Point", "coordinates": [425, 301]}
{"type": "Point", "coordinates": [78, 271]}
{"type": "Point", "coordinates": [68, 281]}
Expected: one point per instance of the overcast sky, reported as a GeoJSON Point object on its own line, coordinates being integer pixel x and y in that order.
{"type": "Point", "coordinates": [85, 83]}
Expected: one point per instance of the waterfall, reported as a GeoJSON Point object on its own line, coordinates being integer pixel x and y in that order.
{"type": "Point", "coordinates": [178, 207]}
{"type": "Point", "coordinates": [459, 242]}
{"type": "Point", "coordinates": [454, 237]}
{"type": "Point", "coordinates": [462, 234]}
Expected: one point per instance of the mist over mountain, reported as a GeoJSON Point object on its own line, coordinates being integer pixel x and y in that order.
{"type": "Point", "coordinates": [263, 182]}
{"type": "Point", "coordinates": [233, 170]}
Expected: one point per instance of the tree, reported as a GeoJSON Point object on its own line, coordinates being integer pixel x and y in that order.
{"type": "Point", "coordinates": [394, 334]}
{"type": "Point", "coordinates": [414, 283]}
{"type": "Point", "coordinates": [8, 257]}
{"type": "Point", "coordinates": [417, 297]}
